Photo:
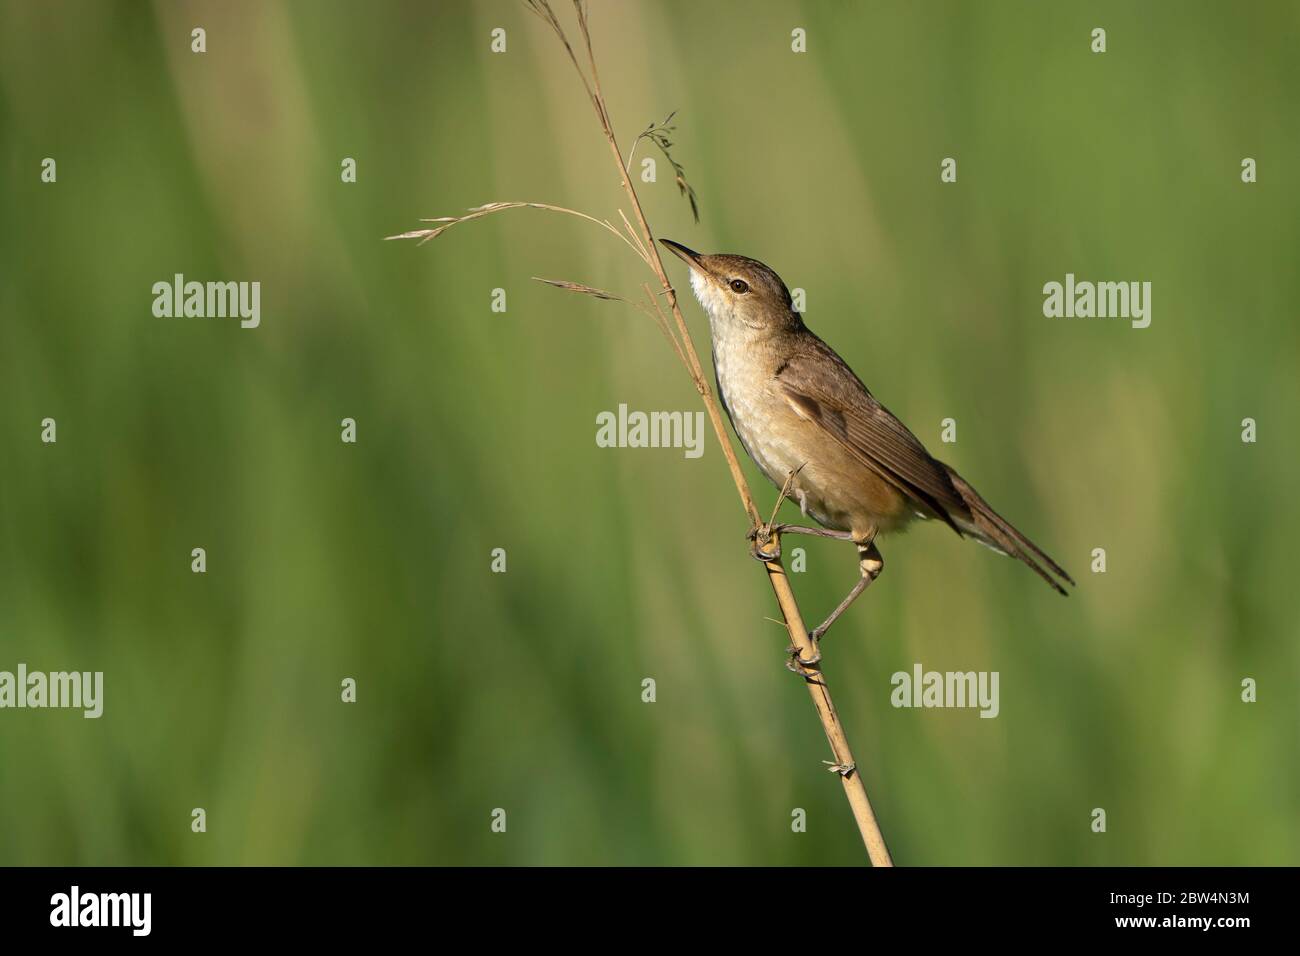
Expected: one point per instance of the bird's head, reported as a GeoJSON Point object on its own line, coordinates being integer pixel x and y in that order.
{"type": "Point", "coordinates": [737, 289]}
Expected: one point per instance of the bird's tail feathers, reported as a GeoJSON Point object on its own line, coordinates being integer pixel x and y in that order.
{"type": "Point", "coordinates": [990, 528]}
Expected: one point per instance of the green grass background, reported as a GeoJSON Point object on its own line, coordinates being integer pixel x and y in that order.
{"type": "Point", "coordinates": [476, 431]}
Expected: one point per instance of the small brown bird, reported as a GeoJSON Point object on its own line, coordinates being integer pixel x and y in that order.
{"type": "Point", "coordinates": [806, 419]}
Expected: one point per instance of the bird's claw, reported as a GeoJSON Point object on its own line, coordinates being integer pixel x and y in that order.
{"type": "Point", "coordinates": [798, 663]}
{"type": "Point", "coordinates": [763, 545]}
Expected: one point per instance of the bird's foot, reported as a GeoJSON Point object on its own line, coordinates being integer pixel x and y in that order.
{"type": "Point", "coordinates": [800, 664]}
{"type": "Point", "coordinates": [763, 544]}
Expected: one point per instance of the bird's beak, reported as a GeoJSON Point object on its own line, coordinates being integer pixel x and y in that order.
{"type": "Point", "coordinates": [689, 256]}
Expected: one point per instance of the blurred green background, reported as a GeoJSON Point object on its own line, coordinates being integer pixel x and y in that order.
{"type": "Point", "coordinates": [476, 431]}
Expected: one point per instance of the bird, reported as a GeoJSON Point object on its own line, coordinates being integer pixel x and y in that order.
{"type": "Point", "coordinates": [816, 432]}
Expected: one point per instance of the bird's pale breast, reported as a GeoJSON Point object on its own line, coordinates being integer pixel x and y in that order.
{"type": "Point", "coordinates": [831, 484]}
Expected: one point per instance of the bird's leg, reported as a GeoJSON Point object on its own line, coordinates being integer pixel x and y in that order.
{"type": "Point", "coordinates": [770, 535]}
{"type": "Point", "coordinates": [815, 532]}
{"type": "Point", "coordinates": [870, 563]}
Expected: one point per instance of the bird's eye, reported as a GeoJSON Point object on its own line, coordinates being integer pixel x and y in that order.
{"type": "Point", "coordinates": [739, 286]}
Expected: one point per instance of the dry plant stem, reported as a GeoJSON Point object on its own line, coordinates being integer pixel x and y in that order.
{"type": "Point", "coordinates": [854, 790]}
{"type": "Point", "coordinates": [815, 680]}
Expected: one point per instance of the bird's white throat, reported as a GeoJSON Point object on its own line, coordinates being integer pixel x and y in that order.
{"type": "Point", "coordinates": [710, 297]}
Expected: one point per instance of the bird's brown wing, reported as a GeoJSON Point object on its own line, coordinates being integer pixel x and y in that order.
{"type": "Point", "coordinates": [821, 387]}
